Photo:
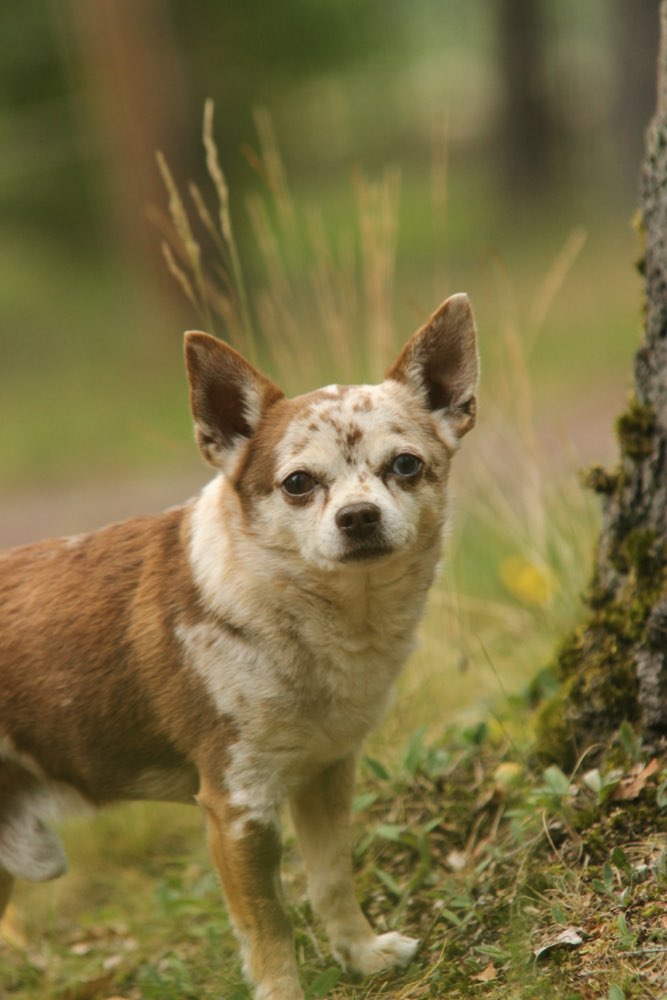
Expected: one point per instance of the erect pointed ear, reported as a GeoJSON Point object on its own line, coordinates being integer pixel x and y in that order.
{"type": "Point", "coordinates": [440, 360]}
{"type": "Point", "coordinates": [227, 397]}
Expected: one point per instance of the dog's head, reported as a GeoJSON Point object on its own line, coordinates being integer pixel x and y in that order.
{"type": "Point", "coordinates": [346, 474]}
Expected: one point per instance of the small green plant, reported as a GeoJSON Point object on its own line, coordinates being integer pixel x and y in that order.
{"type": "Point", "coordinates": [556, 788]}
{"type": "Point", "coordinates": [323, 983]}
{"type": "Point", "coordinates": [171, 979]}
{"type": "Point", "coordinates": [549, 800]}
{"type": "Point", "coordinates": [631, 743]}
{"type": "Point", "coordinates": [627, 939]}
{"type": "Point", "coordinates": [607, 884]}
{"type": "Point", "coordinates": [602, 785]}
{"type": "Point", "coordinates": [620, 861]}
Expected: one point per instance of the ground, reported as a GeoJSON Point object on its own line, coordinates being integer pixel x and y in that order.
{"type": "Point", "coordinates": [520, 882]}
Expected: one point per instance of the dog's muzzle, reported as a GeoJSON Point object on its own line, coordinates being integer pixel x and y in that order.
{"type": "Point", "coordinates": [361, 526]}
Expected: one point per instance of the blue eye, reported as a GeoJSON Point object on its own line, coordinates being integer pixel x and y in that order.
{"type": "Point", "coordinates": [299, 484]}
{"type": "Point", "coordinates": [407, 466]}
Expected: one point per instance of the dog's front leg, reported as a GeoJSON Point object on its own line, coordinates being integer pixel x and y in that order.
{"type": "Point", "coordinates": [321, 812]}
{"type": "Point", "coordinates": [247, 856]}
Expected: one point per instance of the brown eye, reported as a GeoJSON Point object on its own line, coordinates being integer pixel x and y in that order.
{"type": "Point", "coordinates": [406, 466]}
{"type": "Point", "coordinates": [299, 484]}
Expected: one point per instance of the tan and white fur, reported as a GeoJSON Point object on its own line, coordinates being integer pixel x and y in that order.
{"type": "Point", "coordinates": [236, 651]}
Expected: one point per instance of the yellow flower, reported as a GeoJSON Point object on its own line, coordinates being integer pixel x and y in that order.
{"type": "Point", "coordinates": [531, 582]}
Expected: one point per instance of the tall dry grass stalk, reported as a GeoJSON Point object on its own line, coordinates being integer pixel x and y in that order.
{"type": "Point", "coordinates": [323, 302]}
{"type": "Point", "coordinates": [439, 192]}
{"type": "Point", "coordinates": [525, 509]}
{"type": "Point", "coordinates": [377, 204]}
{"type": "Point", "coordinates": [525, 523]}
{"type": "Point", "coordinates": [320, 306]}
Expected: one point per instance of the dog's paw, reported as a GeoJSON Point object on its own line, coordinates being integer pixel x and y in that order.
{"type": "Point", "coordinates": [386, 951]}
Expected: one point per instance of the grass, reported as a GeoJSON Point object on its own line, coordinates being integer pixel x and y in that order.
{"type": "Point", "coordinates": [89, 337]}
{"type": "Point", "coordinates": [461, 837]}
{"type": "Point", "coordinates": [520, 882]}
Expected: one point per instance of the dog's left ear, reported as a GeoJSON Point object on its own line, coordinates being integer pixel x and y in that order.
{"type": "Point", "coordinates": [227, 397]}
{"type": "Point", "coordinates": [441, 361]}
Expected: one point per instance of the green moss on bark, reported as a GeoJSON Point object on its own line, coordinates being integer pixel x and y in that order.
{"type": "Point", "coordinates": [596, 665]}
{"type": "Point", "coordinates": [635, 430]}
{"type": "Point", "coordinates": [598, 689]}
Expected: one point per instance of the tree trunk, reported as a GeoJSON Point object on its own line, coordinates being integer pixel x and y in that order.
{"type": "Point", "coordinates": [614, 667]}
{"type": "Point", "coordinates": [137, 100]}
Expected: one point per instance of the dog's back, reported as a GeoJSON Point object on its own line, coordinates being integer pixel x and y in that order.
{"type": "Point", "coordinates": [95, 705]}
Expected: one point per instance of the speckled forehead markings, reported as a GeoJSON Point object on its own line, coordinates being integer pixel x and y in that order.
{"type": "Point", "coordinates": [347, 439]}
{"type": "Point", "coordinates": [353, 435]}
{"type": "Point", "coordinates": [345, 405]}
{"type": "Point", "coordinates": [342, 417]}
{"type": "Point", "coordinates": [318, 406]}
{"type": "Point", "coordinates": [353, 424]}
{"type": "Point", "coordinates": [362, 403]}
{"type": "Point", "coordinates": [302, 442]}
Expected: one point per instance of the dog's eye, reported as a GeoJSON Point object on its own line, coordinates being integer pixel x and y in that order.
{"type": "Point", "coordinates": [406, 466]}
{"type": "Point", "coordinates": [299, 484]}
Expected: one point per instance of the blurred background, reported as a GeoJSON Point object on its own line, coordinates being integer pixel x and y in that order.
{"type": "Point", "coordinates": [378, 155]}
{"type": "Point", "coordinates": [491, 146]}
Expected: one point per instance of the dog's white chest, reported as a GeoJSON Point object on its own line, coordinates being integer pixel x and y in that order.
{"type": "Point", "coordinates": [299, 661]}
{"type": "Point", "coordinates": [310, 689]}
{"type": "Point", "coordinates": [292, 707]}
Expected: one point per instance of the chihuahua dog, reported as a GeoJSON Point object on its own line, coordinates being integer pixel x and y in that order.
{"type": "Point", "coordinates": [237, 650]}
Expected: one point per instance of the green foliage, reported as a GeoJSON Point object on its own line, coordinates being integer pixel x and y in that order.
{"type": "Point", "coordinates": [631, 742]}
{"type": "Point", "coordinates": [602, 785]}
{"type": "Point", "coordinates": [323, 983]}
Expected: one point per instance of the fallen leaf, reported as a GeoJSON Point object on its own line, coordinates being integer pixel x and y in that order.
{"type": "Point", "coordinates": [487, 975]}
{"type": "Point", "coordinates": [112, 962]}
{"type": "Point", "coordinates": [81, 948]}
{"type": "Point", "coordinates": [569, 938]}
{"type": "Point", "coordinates": [631, 787]}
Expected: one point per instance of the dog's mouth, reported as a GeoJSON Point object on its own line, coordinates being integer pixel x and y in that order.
{"type": "Point", "coordinates": [367, 551]}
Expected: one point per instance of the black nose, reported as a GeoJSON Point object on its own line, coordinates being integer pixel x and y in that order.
{"type": "Point", "coordinates": [358, 520]}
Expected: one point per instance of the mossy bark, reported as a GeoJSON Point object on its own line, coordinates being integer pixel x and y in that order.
{"type": "Point", "coordinates": [615, 665]}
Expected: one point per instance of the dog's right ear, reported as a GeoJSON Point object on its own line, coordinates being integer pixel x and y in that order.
{"type": "Point", "coordinates": [227, 397]}
{"type": "Point", "coordinates": [440, 361]}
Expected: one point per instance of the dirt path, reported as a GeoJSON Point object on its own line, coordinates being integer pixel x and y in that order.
{"type": "Point", "coordinates": [82, 506]}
